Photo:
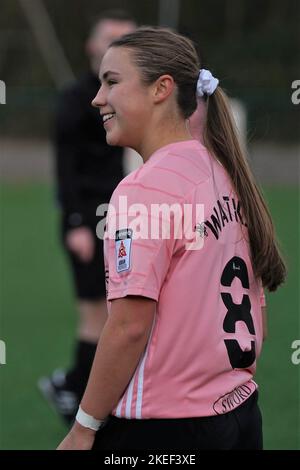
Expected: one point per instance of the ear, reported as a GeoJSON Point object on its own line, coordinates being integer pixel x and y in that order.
{"type": "Point", "coordinates": [163, 88]}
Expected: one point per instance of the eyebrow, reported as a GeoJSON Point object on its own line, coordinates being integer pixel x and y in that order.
{"type": "Point", "coordinates": [106, 74]}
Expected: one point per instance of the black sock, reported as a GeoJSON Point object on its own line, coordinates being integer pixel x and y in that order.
{"type": "Point", "coordinates": [77, 377]}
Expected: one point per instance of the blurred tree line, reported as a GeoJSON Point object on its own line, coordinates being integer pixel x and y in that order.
{"type": "Point", "coordinates": [253, 46]}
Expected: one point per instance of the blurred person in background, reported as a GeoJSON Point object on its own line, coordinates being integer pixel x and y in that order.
{"type": "Point", "coordinates": [87, 172]}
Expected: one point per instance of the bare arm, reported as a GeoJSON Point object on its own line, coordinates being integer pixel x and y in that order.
{"type": "Point", "coordinates": [119, 350]}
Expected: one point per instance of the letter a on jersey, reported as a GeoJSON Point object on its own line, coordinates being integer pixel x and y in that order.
{"type": "Point", "coordinates": [123, 249]}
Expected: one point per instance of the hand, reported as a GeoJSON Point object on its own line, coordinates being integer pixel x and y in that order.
{"type": "Point", "coordinates": [79, 438]}
{"type": "Point", "coordinates": [80, 240]}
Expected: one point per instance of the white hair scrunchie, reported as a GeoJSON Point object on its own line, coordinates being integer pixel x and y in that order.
{"type": "Point", "coordinates": [206, 84]}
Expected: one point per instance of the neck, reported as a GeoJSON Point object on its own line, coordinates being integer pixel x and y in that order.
{"type": "Point", "coordinates": [157, 140]}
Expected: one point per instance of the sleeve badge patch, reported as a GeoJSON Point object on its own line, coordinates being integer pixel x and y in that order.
{"type": "Point", "coordinates": [123, 249]}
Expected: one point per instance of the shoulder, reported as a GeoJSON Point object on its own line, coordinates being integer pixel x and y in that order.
{"type": "Point", "coordinates": [168, 176]}
{"type": "Point", "coordinates": [188, 160]}
{"type": "Point", "coordinates": [176, 169]}
{"type": "Point", "coordinates": [126, 185]}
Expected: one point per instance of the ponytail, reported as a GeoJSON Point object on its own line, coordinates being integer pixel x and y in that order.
{"type": "Point", "coordinates": [221, 139]}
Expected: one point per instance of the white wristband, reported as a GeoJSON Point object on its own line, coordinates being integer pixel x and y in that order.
{"type": "Point", "coordinates": [89, 421]}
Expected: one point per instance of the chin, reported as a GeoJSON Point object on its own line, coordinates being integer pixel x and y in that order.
{"type": "Point", "coordinates": [111, 140]}
{"type": "Point", "coordinates": [116, 141]}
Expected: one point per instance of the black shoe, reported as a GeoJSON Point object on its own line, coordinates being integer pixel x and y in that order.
{"type": "Point", "coordinates": [64, 401]}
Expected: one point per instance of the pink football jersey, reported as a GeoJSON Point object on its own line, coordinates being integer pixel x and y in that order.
{"type": "Point", "coordinates": [177, 235]}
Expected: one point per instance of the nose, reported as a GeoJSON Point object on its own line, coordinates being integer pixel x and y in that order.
{"type": "Point", "coordinates": [99, 99]}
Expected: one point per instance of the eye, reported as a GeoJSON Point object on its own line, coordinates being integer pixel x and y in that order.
{"type": "Point", "coordinates": [111, 82]}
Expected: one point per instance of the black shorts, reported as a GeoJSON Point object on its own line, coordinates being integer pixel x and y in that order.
{"type": "Point", "coordinates": [88, 278]}
{"type": "Point", "coordinates": [238, 429]}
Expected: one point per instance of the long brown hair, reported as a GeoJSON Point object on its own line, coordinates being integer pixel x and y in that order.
{"type": "Point", "coordinates": [221, 138]}
{"type": "Point", "coordinates": [158, 51]}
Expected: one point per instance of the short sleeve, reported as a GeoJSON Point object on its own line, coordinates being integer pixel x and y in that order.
{"type": "Point", "coordinates": [144, 270]}
{"type": "Point", "coordinates": [137, 261]}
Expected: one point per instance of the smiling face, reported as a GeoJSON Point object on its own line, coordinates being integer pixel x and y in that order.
{"type": "Point", "coordinates": [123, 99]}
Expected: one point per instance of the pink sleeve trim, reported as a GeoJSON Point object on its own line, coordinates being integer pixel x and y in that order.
{"type": "Point", "coordinates": [120, 293]}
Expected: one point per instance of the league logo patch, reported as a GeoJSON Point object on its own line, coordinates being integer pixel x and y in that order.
{"type": "Point", "coordinates": [123, 249]}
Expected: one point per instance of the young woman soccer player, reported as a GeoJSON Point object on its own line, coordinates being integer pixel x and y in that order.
{"type": "Point", "coordinates": [175, 363]}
